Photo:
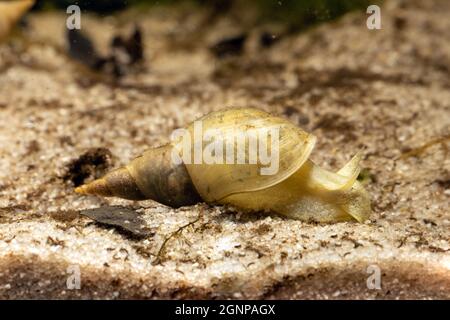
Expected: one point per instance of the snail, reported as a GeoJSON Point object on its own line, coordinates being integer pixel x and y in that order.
{"type": "Point", "coordinates": [10, 13]}
{"type": "Point", "coordinates": [220, 168]}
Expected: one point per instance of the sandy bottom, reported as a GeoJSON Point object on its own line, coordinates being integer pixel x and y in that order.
{"type": "Point", "coordinates": [385, 92]}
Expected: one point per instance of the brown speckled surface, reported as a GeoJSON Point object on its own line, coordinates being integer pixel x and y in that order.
{"type": "Point", "coordinates": [385, 92]}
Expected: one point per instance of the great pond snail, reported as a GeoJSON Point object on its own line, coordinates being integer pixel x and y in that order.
{"type": "Point", "coordinates": [10, 13]}
{"type": "Point", "coordinates": [220, 168]}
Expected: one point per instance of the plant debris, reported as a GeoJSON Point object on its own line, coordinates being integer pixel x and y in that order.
{"type": "Point", "coordinates": [90, 165]}
{"type": "Point", "coordinates": [81, 48]}
{"type": "Point", "coordinates": [268, 39]}
{"type": "Point", "coordinates": [64, 216]}
{"type": "Point", "coordinates": [121, 218]}
{"type": "Point", "coordinates": [162, 249]}
{"type": "Point", "coordinates": [124, 52]}
{"type": "Point", "coordinates": [418, 151]}
{"type": "Point", "coordinates": [131, 49]}
{"type": "Point", "coordinates": [366, 177]}
{"type": "Point", "coordinates": [228, 47]}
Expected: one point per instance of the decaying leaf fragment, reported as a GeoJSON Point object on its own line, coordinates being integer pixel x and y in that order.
{"type": "Point", "coordinates": [119, 217]}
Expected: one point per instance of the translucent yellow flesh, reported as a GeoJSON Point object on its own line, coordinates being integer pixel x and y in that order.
{"type": "Point", "coordinates": [311, 193]}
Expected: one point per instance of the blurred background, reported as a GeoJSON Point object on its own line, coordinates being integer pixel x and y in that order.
{"type": "Point", "coordinates": [296, 13]}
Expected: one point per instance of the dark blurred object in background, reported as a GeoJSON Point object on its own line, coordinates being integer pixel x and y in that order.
{"type": "Point", "coordinates": [82, 49]}
{"type": "Point", "coordinates": [132, 47]}
{"type": "Point", "coordinates": [267, 39]}
{"type": "Point", "coordinates": [125, 52]}
{"type": "Point", "coordinates": [297, 13]}
{"type": "Point", "coordinates": [233, 46]}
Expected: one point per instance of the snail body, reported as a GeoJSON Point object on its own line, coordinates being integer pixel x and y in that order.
{"type": "Point", "coordinates": [291, 185]}
{"type": "Point", "coordinates": [10, 13]}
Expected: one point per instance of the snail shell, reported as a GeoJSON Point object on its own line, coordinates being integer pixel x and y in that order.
{"type": "Point", "coordinates": [10, 13]}
{"type": "Point", "coordinates": [299, 189]}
